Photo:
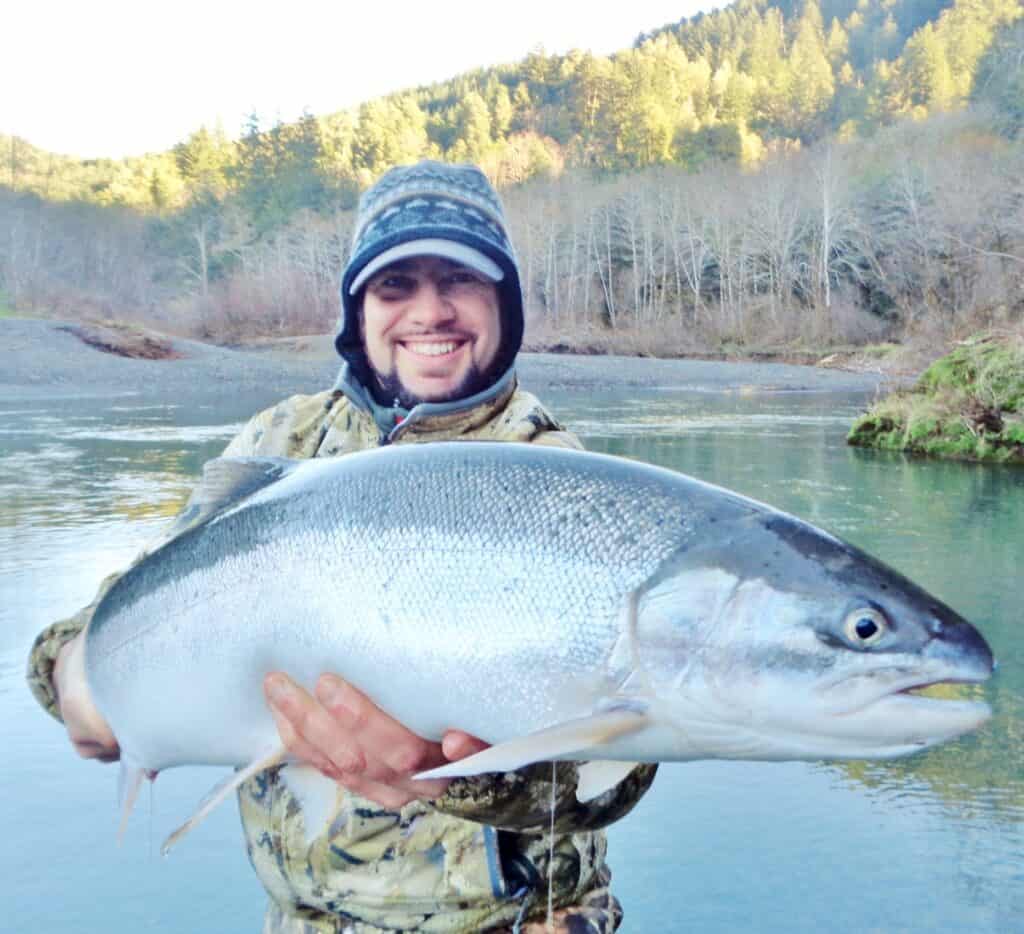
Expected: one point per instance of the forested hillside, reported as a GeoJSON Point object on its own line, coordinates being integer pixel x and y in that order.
{"type": "Point", "coordinates": [835, 171]}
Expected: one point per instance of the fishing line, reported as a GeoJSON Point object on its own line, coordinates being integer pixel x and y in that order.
{"type": "Point", "coordinates": [551, 847]}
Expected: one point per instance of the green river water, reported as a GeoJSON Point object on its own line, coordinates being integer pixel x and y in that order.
{"type": "Point", "coordinates": [933, 843]}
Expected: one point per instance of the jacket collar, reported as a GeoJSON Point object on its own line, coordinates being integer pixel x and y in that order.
{"type": "Point", "coordinates": [465, 413]}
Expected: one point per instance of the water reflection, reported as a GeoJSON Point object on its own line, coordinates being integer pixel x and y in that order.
{"type": "Point", "coordinates": [928, 843]}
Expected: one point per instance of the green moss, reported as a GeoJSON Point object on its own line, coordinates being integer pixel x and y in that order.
{"type": "Point", "coordinates": [1014, 432]}
{"type": "Point", "coordinates": [879, 351]}
{"type": "Point", "coordinates": [964, 406]}
{"type": "Point", "coordinates": [921, 428]}
{"type": "Point", "coordinates": [989, 368]}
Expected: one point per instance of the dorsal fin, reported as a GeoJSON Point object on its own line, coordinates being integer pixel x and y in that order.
{"type": "Point", "coordinates": [225, 482]}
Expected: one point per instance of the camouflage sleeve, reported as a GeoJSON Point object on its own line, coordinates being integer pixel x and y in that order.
{"type": "Point", "coordinates": [521, 801]}
{"type": "Point", "coordinates": [596, 912]}
{"type": "Point", "coordinates": [246, 442]}
{"type": "Point", "coordinates": [50, 641]}
{"type": "Point", "coordinates": [558, 439]}
{"type": "Point", "coordinates": [292, 428]}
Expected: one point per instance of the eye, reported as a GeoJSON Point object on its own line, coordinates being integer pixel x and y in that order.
{"type": "Point", "coordinates": [866, 626]}
{"type": "Point", "coordinates": [390, 284]}
{"type": "Point", "coordinates": [459, 277]}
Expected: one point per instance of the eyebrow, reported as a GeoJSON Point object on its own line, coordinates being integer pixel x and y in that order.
{"type": "Point", "coordinates": [399, 265]}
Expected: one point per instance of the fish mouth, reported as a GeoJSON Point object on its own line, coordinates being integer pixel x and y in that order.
{"type": "Point", "coordinates": [907, 708]}
{"type": "Point", "coordinates": [920, 714]}
{"type": "Point", "coordinates": [951, 695]}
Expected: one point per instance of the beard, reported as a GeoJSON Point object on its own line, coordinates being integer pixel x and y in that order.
{"type": "Point", "coordinates": [389, 390]}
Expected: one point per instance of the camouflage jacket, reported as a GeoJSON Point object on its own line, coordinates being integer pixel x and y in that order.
{"type": "Point", "coordinates": [480, 857]}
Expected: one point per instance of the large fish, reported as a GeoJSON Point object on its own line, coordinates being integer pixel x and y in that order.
{"type": "Point", "coordinates": [556, 604]}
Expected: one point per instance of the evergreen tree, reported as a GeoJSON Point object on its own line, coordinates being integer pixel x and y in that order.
{"type": "Point", "coordinates": [812, 86]}
{"type": "Point", "coordinates": [472, 129]}
{"type": "Point", "coordinates": [390, 131]}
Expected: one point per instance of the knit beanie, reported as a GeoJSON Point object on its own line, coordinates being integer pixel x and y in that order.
{"type": "Point", "coordinates": [456, 213]}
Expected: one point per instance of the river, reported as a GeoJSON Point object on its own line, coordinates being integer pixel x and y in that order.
{"type": "Point", "coordinates": [932, 843]}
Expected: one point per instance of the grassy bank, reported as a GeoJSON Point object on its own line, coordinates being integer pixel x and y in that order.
{"type": "Point", "coordinates": [967, 405]}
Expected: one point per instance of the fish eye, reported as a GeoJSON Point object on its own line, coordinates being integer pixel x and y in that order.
{"type": "Point", "coordinates": [865, 626]}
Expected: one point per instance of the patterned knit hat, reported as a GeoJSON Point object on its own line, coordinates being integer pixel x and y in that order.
{"type": "Point", "coordinates": [434, 209]}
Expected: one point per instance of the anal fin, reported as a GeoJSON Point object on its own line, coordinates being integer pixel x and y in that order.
{"type": "Point", "coordinates": [221, 790]}
{"type": "Point", "coordinates": [316, 794]}
{"type": "Point", "coordinates": [555, 742]}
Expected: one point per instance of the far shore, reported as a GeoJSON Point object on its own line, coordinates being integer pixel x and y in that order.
{"type": "Point", "coordinates": [48, 359]}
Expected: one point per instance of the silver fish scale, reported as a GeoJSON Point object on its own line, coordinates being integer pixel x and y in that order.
{"type": "Point", "coordinates": [482, 586]}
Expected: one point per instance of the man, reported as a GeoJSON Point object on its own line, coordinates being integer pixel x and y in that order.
{"type": "Point", "coordinates": [431, 325]}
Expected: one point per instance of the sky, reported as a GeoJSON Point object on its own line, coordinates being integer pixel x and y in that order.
{"type": "Point", "coordinates": [112, 78]}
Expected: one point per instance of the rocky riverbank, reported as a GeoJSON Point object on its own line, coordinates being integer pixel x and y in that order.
{"type": "Point", "coordinates": [46, 359]}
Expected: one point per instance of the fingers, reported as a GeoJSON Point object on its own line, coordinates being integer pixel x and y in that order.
{"type": "Point", "coordinates": [307, 729]}
{"type": "Point", "coordinates": [458, 745]}
{"type": "Point", "coordinates": [347, 737]}
{"type": "Point", "coordinates": [398, 751]}
{"type": "Point", "coordinates": [90, 749]}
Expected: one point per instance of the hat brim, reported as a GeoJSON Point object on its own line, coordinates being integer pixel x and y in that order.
{"type": "Point", "coordinates": [447, 249]}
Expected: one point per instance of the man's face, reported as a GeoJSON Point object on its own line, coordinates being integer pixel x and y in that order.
{"type": "Point", "coordinates": [431, 329]}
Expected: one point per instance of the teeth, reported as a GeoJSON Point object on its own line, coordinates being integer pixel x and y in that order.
{"type": "Point", "coordinates": [432, 349]}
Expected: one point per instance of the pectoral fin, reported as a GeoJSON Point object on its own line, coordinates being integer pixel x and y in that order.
{"type": "Point", "coordinates": [221, 790]}
{"type": "Point", "coordinates": [556, 742]}
{"type": "Point", "coordinates": [595, 778]}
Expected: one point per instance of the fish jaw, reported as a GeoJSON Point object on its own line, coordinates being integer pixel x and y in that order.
{"type": "Point", "coordinates": [778, 720]}
{"type": "Point", "coordinates": [778, 716]}
{"type": "Point", "coordinates": [908, 723]}
{"type": "Point", "coordinates": [886, 713]}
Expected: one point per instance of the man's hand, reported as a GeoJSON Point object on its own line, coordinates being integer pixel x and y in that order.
{"type": "Point", "coordinates": [347, 737]}
{"type": "Point", "coordinates": [87, 729]}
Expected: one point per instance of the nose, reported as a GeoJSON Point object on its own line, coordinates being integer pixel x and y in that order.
{"type": "Point", "coordinates": [431, 308]}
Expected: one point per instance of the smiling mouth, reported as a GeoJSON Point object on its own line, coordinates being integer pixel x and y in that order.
{"type": "Point", "coordinates": [434, 348]}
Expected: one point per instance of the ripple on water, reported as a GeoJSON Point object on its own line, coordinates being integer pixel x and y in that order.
{"type": "Point", "coordinates": [680, 424]}
{"type": "Point", "coordinates": [158, 434]}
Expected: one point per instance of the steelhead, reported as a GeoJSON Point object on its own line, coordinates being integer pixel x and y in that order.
{"type": "Point", "coordinates": [556, 604]}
